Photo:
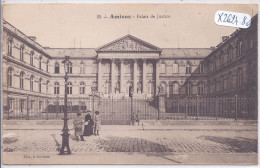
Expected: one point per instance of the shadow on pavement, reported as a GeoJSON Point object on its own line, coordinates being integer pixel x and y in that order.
{"type": "Point", "coordinates": [139, 145]}
{"type": "Point", "coordinates": [238, 145]}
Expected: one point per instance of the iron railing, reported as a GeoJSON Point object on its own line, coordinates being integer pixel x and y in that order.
{"type": "Point", "coordinates": [120, 111]}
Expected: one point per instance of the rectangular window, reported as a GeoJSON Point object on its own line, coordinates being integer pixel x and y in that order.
{"type": "Point", "coordinates": [10, 104]}
{"type": "Point", "coordinates": [32, 104]}
{"type": "Point", "coordinates": [163, 68]}
{"type": "Point", "coordinates": [188, 70]}
{"type": "Point", "coordinates": [22, 105]}
{"type": "Point", "coordinates": [169, 69]}
{"type": "Point", "coordinates": [40, 105]}
{"type": "Point", "coordinates": [175, 68]}
{"type": "Point", "coordinates": [201, 68]}
{"type": "Point", "coordinates": [82, 69]}
{"type": "Point", "coordinates": [94, 68]}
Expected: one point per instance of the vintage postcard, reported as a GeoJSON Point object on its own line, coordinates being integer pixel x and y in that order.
{"type": "Point", "coordinates": [130, 84]}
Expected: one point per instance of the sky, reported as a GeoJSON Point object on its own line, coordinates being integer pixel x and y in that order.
{"type": "Point", "coordinates": [76, 25]}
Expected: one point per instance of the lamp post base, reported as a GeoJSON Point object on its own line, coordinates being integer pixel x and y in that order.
{"type": "Point", "coordinates": [65, 144]}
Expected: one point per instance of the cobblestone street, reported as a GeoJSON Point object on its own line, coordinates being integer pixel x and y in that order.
{"type": "Point", "coordinates": [136, 140]}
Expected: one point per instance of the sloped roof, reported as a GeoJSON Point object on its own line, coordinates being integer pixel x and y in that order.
{"type": "Point", "coordinates": [72, 52]}
{"type": "Point", "coordinates": [185, 52]}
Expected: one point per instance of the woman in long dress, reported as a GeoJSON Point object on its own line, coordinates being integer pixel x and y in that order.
{"type": "Point", "coordinates": [88, 129]}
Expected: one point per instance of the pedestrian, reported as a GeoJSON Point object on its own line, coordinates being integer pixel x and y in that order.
{"type": "Point", "coordinates": [133, 119]}
{"type": "Point", "coordinates": [88, 129]}
{"type": "Point", "coordinates": [97, 123]}
{"type": "Point", "coordinates": [137, 119]}
{"type": "Point", "coordinates": [78, 123]}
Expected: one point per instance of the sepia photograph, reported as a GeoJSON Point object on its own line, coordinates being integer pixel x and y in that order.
{"type": "Point", "coordinates": [129, 84]}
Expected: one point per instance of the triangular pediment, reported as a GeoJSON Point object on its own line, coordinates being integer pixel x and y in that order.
{"type": "Point", "coordinates": [128, 43]}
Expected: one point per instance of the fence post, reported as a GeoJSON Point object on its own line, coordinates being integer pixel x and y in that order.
{"type": "Point", "coordinates": [178, 105]}
{"type": "Point", "coordinates": [186, 108]}
{"type": "Point", "coordinates": [217, 107]}
{"type": "Point", "coordinates": [27, 107]}
{"type": "Point", "coordinates": [197, 110]}
{"type": "Point", "coordinates": [47, 110]}
{"type": "Point", "coordinates": [145, 108]}
{"type": "Point", "coordinates": [158, 115]}
{"type": "Point", "coordinates": [236, 107]}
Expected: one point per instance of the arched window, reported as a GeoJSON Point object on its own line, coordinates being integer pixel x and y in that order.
{"type": "Point", "coordinates": [69, 88]}
{"type": "Point", "coordinates": [10, 77]}
{"type": "Point", "coordinates": [82, 68]}
{"type": "Point", "coordinates": [175, 88]}
{"type": "Point", "coordinates": [22, 53]}
{"type": "Point", "coordinates": [239, 77]}
{"type": "Point", "coordinates": [56, 88]}
{"type": "Point", "coordinates": [57, 68]}
{"type": "Point", "coordinates": [40, 62]}
{"type": "Point", "coordinates": [10, 47]}
{"type": "Point", "coordinates": [40, 85]}
{"type": "Point", "coordinates": [31, 82]}
{"type": "Point", "coordinates": [201, 88]}
{"type": "Point", "coordinates": [22, 80]}
{"type": "Point", "coordinates": [82, 88]}
{"type": "Point", "coordinates": [188, 88]}
{"type": "Point", "coordinates": [31, 58]}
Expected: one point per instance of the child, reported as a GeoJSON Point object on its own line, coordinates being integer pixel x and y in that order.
{"type": "Point", "coordinates": [78, 123]}
{"type": "Point", "coordinates": [97, 122]}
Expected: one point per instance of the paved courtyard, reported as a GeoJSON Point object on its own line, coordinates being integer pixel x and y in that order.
{"type": "Point", "coordinates": [136, 140]}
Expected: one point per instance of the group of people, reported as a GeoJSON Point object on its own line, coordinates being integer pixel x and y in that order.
{"type": "Point", "coordinates": [91, 125]}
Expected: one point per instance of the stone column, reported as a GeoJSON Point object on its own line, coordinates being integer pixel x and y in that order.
{"type": "Point", "coordinates": [112, 73]}
{"type": "Point", "coordinates": [135, 76]}
{"type": "Point", "coordinates": [157, 73]}
{"type": "Point", "coordinates": [99, 76]}
{"type": "Point", "coordinates": [144, 76]}
{"type": "Point", "coordinates": [121, 75]}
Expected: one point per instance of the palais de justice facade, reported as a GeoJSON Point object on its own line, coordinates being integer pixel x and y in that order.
{"type": "Point", "coordinates": [30, 69]}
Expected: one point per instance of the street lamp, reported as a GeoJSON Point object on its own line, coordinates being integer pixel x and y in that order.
{"type": "Point", "coordinates": [93, 90]}
{"type": "Point", "coordinates": [65, 134]}
{"type": "Point", "coordinates": [131, 96]}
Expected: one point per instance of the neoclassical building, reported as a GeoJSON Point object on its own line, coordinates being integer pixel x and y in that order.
{"type": "Point", "coordinates": [30, 69]}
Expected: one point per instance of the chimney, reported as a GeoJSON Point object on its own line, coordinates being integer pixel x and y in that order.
{"type": "Point", "coordinates": [33, 38]}
{"type": "Point", "coordinates": [225, 38]}
{"type": "Point", "coordinates": [212, 48]}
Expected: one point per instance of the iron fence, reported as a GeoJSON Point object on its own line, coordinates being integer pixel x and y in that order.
{"type": "Point", "coordinates": [203, 107]}
{"type": "Point", "coordinates": [121, 111]}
